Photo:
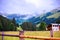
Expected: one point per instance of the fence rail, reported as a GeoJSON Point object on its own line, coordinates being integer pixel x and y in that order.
{"type": "Point", "coordinates": [21, 36]}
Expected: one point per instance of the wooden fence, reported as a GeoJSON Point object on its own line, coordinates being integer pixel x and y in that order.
{"type": "Point", "coordinates": [22, 36]}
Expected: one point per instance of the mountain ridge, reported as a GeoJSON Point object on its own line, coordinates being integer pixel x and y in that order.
{"type": "Point", "coordinates": [36, 20]}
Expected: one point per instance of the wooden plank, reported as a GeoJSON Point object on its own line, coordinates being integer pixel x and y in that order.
{"type": "Point", "coordinates": [9, 35]}
{"type": "Point", "coordinates": [32, 37]}
{"type": "Point", "coordinates": [39, 37]}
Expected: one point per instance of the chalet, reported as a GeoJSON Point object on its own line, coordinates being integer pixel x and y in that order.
{"type": "Point", "coordinates": [53, 27]}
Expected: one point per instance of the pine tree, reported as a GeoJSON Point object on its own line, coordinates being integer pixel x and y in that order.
{"type": "Point", "coordinates": [42, 26]}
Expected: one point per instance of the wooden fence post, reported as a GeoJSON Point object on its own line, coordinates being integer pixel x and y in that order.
{"type": "Point", "coordinates": [2, 35]}
{"type": "Point", "coordinates": [21, 33]}
{"type": "Point", "coordinates": [51, 33]}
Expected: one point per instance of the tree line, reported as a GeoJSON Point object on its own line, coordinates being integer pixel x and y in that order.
{"type": "Point", "coordinates": [7, 24]}
{"type": "Point", "coordinates": [11, 25]}
{"type": "Point", "coordinates": [28, 26]}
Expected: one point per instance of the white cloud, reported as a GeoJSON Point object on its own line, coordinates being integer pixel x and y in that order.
{"type": "Point", "coordinates": [34, 2]}
{"type": "Point", "coordinates": [27, 7]}
{"type": "Point", "coordinates": [41, 3]}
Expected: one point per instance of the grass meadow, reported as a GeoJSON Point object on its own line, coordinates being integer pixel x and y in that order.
{"type": "Point", "coordinates": [29, 33]}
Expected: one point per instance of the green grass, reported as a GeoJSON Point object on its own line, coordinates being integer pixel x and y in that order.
{"type": "Point", "coordinates": [19, 28]}
{"type": "Point", "coordinates": [10, 38]}
{"type": "Point", "coordinates": [57, 34]}
{"type": "Point", "coordinates": [54, 15]}
{"type": "Point", "coordinates": [0, 37]}
{"type": "Point", "coordinates": [30, 33]}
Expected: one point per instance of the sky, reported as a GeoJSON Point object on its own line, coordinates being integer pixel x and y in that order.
{"type": "Point", "coordinates": [28, 7]}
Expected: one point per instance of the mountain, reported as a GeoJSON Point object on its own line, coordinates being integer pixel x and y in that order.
{"type": "Point", "coordinates": [19, 18]}
{"type": "Point", "coordinates": [56, 10]}
{"type": "Point", "coordinates": [37, 20]}
{"type": "Point", "coordinates": [7, 24]}
{"type": "Point", "coordinates": [15, 16]}
{"type": "Point", "coordinates": [49, 17]}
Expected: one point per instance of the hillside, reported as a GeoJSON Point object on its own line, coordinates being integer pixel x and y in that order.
{"type": "Point", "coordinates": [49, 17]}
{"type": "Point", "coordinates": [6, 24]}
{"type": "Point", "coordinates": [56, 15]}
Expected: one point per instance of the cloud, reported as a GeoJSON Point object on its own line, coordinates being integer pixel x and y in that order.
{"type": "Point", "coordinates": [27, 7]}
